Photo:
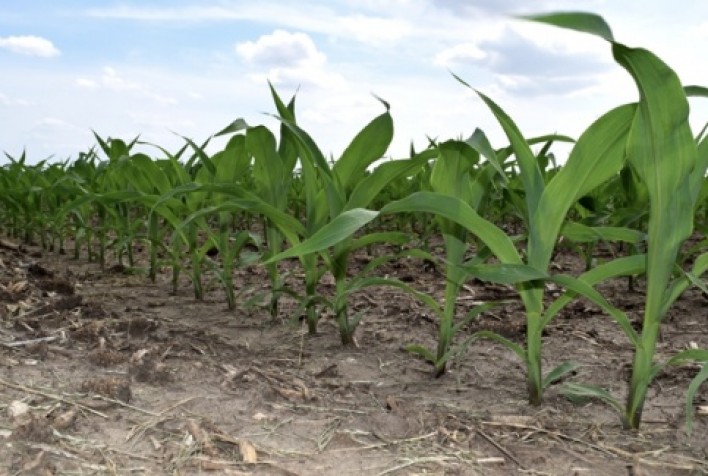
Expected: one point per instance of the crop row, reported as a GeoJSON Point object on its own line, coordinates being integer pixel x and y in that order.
{"type": "Point", "coordinates": [635, 176]}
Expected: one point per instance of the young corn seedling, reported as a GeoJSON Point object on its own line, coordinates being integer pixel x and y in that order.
{"type": "Point", "coordinates": [334, 196]}
{"type": "Point", "coordinates": [456, 173]}
{"type": "Point", "coordinates": [273, 167]}
{"type": "Point", "coordinates": [662, 152]}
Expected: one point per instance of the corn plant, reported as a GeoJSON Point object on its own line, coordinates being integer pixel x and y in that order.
{"type": "Point", "coordinates": [662, 152]}
{"type": "Point", "coordinates": [330, 194]}
{"type": "Point", "coordinates": [456, 173]}
{"type": "Point", "coordinates": [273, 175]}
{"type": "Point", "coordinates": [24, 193]}
{"type": "Point", "coordinates": [84, 173]}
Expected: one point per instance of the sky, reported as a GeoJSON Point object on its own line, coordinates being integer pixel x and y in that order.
{"type": "Point", "coordinates": [165, 69]}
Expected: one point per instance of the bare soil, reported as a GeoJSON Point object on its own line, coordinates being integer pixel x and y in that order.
{"type": "Point", "coordinates": [107, 373]}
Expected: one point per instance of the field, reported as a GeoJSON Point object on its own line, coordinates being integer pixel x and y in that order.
{"type": "Point", "coordinates": [264, 309]}
{"type": "Point", "coordinates": [150, 383]}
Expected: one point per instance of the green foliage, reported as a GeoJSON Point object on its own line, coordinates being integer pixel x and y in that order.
{"type": "Point", "coordinates": [634, 181]}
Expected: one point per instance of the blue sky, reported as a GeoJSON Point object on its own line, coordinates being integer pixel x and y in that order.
{"type": "Point", "coordinates": [162, 68]}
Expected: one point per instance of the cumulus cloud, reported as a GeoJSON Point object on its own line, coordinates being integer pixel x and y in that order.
{"type": "Point", "coordinates": [29, 45]}
{"type": "Point", "coordinates": [528, 86]}
{"type": "Point", "coordinates": [514, 54]}
{"type": "Point", "coordinates": [471, 8]}
{"type": "Point", "coordinates": [506, 7]}
{"type": "Point", "coordinates": [522, 65]}
{"type": "Point", "coordinates": [319, 17]}
{"type": "Point", "coordinates": [288, 59]}
{"type": "Point", "coordinates": [460, 53]}
{"type": "Point", "coordinates": [374, 30]}
{"type": "Point", "coordinates": [281, 49]}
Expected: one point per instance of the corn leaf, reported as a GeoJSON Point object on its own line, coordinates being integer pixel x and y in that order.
{"type": "Point", "coordinates": [598, 155]}
{"type": "Point", "coordinates": [559, 372]}
{"type": "Point", "coordinates": [582, 392]}
{"type": "Point", "coordinates": [371, 185]}
{"type": "Point", "coordinates": [369, 145]}
{"type": "Point", "coordinates": [580, 233]}
{"type": "Point", "coordinates": [530, 173]}
{"type": "Point", "coordinates": [337, 230]}
{"type": "Point", "coordinates": [578, 21]}
{"type": "Point", "coordinates": [505, 273]}
{"type": "Point", "coordinates": [456, 210]}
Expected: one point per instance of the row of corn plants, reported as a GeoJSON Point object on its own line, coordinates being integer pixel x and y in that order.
{"type": "Point", "coordinates": [635, 178]}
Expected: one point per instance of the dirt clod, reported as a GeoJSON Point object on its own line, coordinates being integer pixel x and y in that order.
{"type": "Point", "coordinates": [113, 387]}
{"type": "Point", "coordinates": [35, 429]}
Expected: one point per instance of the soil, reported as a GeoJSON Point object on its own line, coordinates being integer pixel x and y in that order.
{"type": "Point", "coordinates": [108, 373]}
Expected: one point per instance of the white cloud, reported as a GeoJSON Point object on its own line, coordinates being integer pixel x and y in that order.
{"type": "Point", "coordinates": [461, 52]}
{"type": "Point", "coordinates": [289, 59]}
{"type": "Point", "coordinates": [29, 45]}
{"type": "Point", "coordinates": [282, 49]}
{"type": "Point", "coordinates": [374, 30]}
{"type": "Point", "coordinates": [524, 63]}
{"type": "Point", "coordinates": [319, 17]}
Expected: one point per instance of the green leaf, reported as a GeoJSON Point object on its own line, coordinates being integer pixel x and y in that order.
{"type": "Point", "coordinates": [337, 230]}
{"type": "Point", "coordinates": [696, 91]}
{"type": "Point", "coordinates": [598, 155]}
{"type": "Point", "coordinates": [201, 154]}
{"type": "Point", "coordinates": [479, 142]}
{"type": "Point", "coordinates": [582, 288]}
{"type": "Point", "coordinates": [678, 286]}
{"type": "Point", "coordinates": [267, 166]}
{"type": "Point", "coordinates": [389, 237]}
{"type": "Point", "coordinates": [386, 173]}
{"type": "Point", "coordinates": [236, 126]}
{"type": "Point", "coordinates": [689, 355]}
{"type": "Point", "coordinates": [695, 384]}
{"type": "Point", "coordinates": [580, 233]}
{"type": "Point", "coordinates": [493, 336]}
{"type": "Point", "coordinates": [456, 210]}
{"type": "Point", "coordinates": [692, 355]}
{"type": "Point", "coordinates": [422, 352]}
{"type": "Point", "coordinates": [662, 150]}
{"type": "Point", "coordinates": [578, 392]}
{"type": "Point", "coordinates": [451, 171]}
{"type": "Point", "coordinates": [578, 21]}
{"type": "Point", "coordinates": [369, 145]}
{"type": "Point", "coordinates": [505, 273]}
{"type": "Point", "coordinates": [625, 266]}
{"type": "Point", "coordinates": [232, 163]}
{"type": "Point", "coordinates": [530, 173]}
{"type": "Point", "coordinates": [559, 372]}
